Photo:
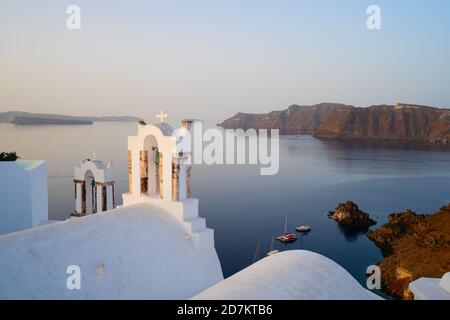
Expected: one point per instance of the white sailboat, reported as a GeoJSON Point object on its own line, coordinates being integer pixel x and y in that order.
{"type": "Point", "coordinates": [256, 257]}
{"type": "Point", "coordinates": [272, 250]}
{"type": "Point", "coordinates": [303, 227]}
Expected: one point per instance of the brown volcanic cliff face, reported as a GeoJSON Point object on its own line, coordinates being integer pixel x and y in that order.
{"type": "Point", "coordinates": [339, 121]}
{"type": "Point", "coordinates": [414, 246]}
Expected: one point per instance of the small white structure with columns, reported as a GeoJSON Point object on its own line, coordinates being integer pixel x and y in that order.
{"type": "Point", "coordinates": [159, 173]}
{"type": "Point", "coordinates": [94, 187]}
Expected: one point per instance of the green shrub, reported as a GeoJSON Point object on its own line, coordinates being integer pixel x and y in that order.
{"type": "Point", "coordinates": [9, 156]}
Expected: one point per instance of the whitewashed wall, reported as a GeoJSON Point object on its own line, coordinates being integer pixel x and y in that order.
{"type": "Point", "coordinates": [23, 195]}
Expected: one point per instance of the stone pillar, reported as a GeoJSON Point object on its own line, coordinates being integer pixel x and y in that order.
{"type": "Point", "coordinates": [104, 198]}
{"type": "Point", "coordinates": [175, 180]}
{"type": "Point", "coordinates": [113, 196]}
{"type": "Point", "coordinates": [188, 181]}
{"type": "Point", "coordinates": [83, 198]}
{"type": "Point", "coordinates": [161, 176]}
{"type": "Point", "coordinates": [144, 171]}
{"type": "Point", "coordinates": [135, 163]}
{"type": "Point", "coordinates": [78, 200]}
{"type": "Point", "coordinates": [179, 178]}
{"type": "Point", "coordinates": [152, 171]}
{"type": "Point", "coordinates": [93, 199]}
{"type": "Point", "coordinates": [99, 194]}
{"type": "Point", "coordinates": [109, 197]}
{"type": "Point", "coordinates": [130, 172]}
{"type": "Point", "coordinates": [182, 190]}
{"type": "Point", "coordinates": [157, 169]}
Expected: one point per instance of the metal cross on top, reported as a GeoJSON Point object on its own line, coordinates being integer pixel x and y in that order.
{"type": "Point", "coordinates": [161, 116]}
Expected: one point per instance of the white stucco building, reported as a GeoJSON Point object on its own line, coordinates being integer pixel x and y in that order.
{"type": "Point", "coordinates": [431, 288]}
{"type": "Point", "coordinates": [23, 194]}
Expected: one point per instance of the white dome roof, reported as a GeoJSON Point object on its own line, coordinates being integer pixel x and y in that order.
{"type": "Point", "coordinates": [165, 128]}
{"type": "Point", "coordinates": [291, 275]}
{"type": "Point", "coordinates": [133, 252]}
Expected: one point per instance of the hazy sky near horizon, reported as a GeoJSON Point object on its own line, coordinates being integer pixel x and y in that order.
{"type": "Point", "coordinates": [211, 59]}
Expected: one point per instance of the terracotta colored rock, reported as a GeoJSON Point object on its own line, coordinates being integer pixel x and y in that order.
{"type": "Point", "coordinates": [402, 122]}
{"type": "Point", "coordinates": [413, 246]}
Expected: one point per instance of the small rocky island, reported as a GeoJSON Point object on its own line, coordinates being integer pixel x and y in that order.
{"type": "Point", "coordinates": [413, 246]}
{"type": "Point", "coordinates": [348, 214]}
{"type": "Point", "coordinates": [28, 118]}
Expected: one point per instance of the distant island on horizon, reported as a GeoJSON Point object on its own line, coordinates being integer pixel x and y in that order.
{"type": "Point", "coordinates": [400, 122]}
{"type": "Point", "coordinates": [29, 118]}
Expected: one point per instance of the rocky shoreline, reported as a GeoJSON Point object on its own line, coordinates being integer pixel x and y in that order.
{"type": "Point", "coordinates": [413, 246]}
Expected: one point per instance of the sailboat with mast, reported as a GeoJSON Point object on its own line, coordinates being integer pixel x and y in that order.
{"type": "Point", "coordinates": [303, 227]}
{"type": "Point", "coordinates": [272, 250]}
{"type": "Point", "coordinates": [256, 257]}
{"type": "Point", "coordinates": [287, 236]}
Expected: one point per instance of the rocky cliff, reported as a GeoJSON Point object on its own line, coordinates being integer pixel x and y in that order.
{"type": "Point", "coordinates": [338, 121]}
{"type": "Point", "coordinates": [413, 246]}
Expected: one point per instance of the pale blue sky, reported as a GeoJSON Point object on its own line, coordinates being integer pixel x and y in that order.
{"type": "Point", "coordinates": [211, 59]}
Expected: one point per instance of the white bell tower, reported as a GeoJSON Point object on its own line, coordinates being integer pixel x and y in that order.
{"type": "Point", "coordinates": [159, 173]}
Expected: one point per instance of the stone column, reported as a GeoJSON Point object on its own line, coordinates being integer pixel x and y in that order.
{"type": "Point", "coordinates": [182, 182]}
{"type": "Point", "coordinates": [157, 169]}
{"type": "Point", "coordinates": [144, 171]}
{"type": "Point", "coordinates": [188, 181]}
{"type": "Point", "coordinates": [109, 197]}
{"type": "Point", "coordinates": [135, 163]}
{"type": "Point", "coordinates": [175, 180]}
{"type": "Point", "coordinates": [161, 176]}
{"type": "Point", "coordinates": [179, 178]}
{"type": "Point", "coordinates": [99, 194]}
{"type": "Point", "coordinates": [78, 200]}
{"type": "Point", "coordinates": [130, 172]}
{"type": "Point", "coordinates": [113, 196]}
{"type": "Point", "coordinates": [94, 210]}
{"type": "Point", "coordinates": [83, 198]}
{"type": "Point", "coordinates": [104, 198]}
{"type": "Point", "coordinates": [152, 172]}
